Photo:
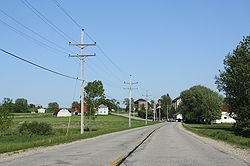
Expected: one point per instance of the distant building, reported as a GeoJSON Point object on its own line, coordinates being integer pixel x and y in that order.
{"type": "Point", "coordinates": [102, 110]}
{"type": "Point", "coordinates": [41, 110]}
{"type": "Point", "coordinates": [176, 102]}
{"type": "Point", "coordinates": [76, 110]}
{"type": "Point", "coordinates": [38, 105]}
{"type": "Point", "coordinates": [178, 117]}
{"type": "Point", "coordinates": [141, 102]}
{"type": "Point", "coordinates": [62, 113]}
{"type": "Point", "coordinates": [225, 115]}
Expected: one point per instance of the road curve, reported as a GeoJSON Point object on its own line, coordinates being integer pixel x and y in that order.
{"type": "Point", "coordinates": [168, 145]}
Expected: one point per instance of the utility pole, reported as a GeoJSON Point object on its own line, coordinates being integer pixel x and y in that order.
{"type": "Point", "coordinates": [154, 108]}
{"type": "Point", "coordinates": [130, 83]}
{"type": "Point", "coordinates": [146, 95]}
{"type": "Point", "coordinates": [82, 58]}
{"type": "Point", "coordinates": [160, 111]}
{"type": "Point", "coordinates": [167, 112]}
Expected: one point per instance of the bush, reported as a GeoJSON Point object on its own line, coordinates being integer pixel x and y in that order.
{"type": "Point", "coordinates": [35, 128]}
{"type": "Point", "coordinates": [142, 114]}
{"type": "Point", "coordinates": [5, 120]}
{"type": "Point", "coordinates": [243, 127]}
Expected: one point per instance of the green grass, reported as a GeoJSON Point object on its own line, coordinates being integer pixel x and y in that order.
{"type": "Point", "coordinates": [101, 125]}
{"type": "Point", "coordinates": [30, 115]}
{"type": "Point", "coordinates": [224, 132]}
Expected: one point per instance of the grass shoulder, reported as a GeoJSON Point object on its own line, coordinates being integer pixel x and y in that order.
{"type": "Point", "coordinates": [224, 132]}
{"type": "Point", "coordinates": [101, 125]}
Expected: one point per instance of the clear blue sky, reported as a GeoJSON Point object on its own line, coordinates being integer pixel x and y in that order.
{"type": "Point", "coordinates": [167, 46]}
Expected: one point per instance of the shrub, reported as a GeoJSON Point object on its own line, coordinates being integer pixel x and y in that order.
{"type": "Point", "coordinates": [5, 120]}
{"type": "Point", "coordinates": [35, 128]}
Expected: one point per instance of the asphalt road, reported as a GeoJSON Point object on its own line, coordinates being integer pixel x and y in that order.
{"type": "Point", "coordinates": [166, 146]}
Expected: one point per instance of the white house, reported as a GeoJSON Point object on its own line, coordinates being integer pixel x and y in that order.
{"type": "Point", "coordinates": [41, 110]}
{"type": "Point", "coordinates": [103, 110]}
{"type": "Point", "coordinates": [225, 118]}
{"type": "Point", "coordinates": [63, 113]}
{"type": "Point", "coordinates": [178, 117]}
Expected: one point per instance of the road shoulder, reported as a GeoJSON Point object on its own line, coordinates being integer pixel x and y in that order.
{"type": "Point", "coordinates": [243, 154]}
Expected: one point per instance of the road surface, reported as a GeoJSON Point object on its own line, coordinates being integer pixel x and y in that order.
{"type": "Point", "coordinates": [168, 145]}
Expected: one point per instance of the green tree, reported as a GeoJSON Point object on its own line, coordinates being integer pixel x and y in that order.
{"type": "Point", "coordinates": [21, 105]}
{"type": "Point", "coordinates": [93, 92]}
{"type": "Point", "coordinates": [126, 103]}
{"type": "Point", "coordinates": [75, 104]}
{"type": "Point", "coordinates": [8, 105]}
{"type": "Point", "coordinates": [52, 107]}
{"type": "Point", "coordinates": [5, 120]}
{"type": "Point", "coordinates": [32, 108]}
{"type": "Point", "coordinates": [235, 82]}
{"type": "Point", "coordinates": [200, 104]}
{"type": "Point", "coordinates": [165, 102]}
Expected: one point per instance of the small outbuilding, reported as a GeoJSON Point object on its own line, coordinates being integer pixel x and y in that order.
{"type": "Point", "coordinates": [41, 110]}
{"type": "Point", "coordinates": [62, 113]}
{"type": "Point", "coordinates": [103, 110]}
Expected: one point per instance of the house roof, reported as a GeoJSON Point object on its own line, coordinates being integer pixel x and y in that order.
{"type": "Point", "coordinates": [224, 108]}
{"type": "Point", "coordinates": [177, 98]}
{"type": "Point", "coordinates": [140, 100]}
{"type": "Point", "coordinates": [102, 106]}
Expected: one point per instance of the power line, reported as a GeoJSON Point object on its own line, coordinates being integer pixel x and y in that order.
{"type": "Point", "coordinates": [42, 37]}
{"type": "Point", "coordinates": [39, 66]}
{"type": "Point", "coordinates": [65, 12]}
{"type": "Point", "coordinates": [46, 21]}
{"type": "Point", "coordinates": [89, 36]}
{"type": "Point", "coordinates": [28, 37]}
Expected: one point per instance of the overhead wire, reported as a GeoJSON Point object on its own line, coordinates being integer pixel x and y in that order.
{"type": "Point", "coordinates": [64, 35]}
{"type": "Point", "coordinates": [42, 17]}
{"type": "Point", "coordinates": [46, 21]}
{"type": "Point", "coordinates": [27, 36]}
{"type": "Point", "coordinates": [66, 13]}
{"type": "Point", "coordinates": [42, 37]}
{"type": "Point", "coordinates": [89, 36]}
{"type": "Point", "coordinates": [39, 66]}
{"type": "Point", "coordinates": [37, 41]}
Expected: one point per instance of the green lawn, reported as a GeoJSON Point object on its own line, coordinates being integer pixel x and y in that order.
{"type": "Point", "coordinates": [101, 125]}
{"type": "Point", "coordinates": [224, 132]}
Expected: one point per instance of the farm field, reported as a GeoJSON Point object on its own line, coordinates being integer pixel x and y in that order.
{"type": "Point", "coordinates": [13, 141]}
{"type": "Point", "coordinates": [223, 132]}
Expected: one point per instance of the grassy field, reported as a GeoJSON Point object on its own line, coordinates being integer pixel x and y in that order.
{"type": "Point", "coordinates": [224, 132]}
{"type": "Point", "coordinates": [101, 125]}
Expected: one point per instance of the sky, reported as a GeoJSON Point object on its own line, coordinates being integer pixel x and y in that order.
{"type": "Point", "coordinates": [166, 45]}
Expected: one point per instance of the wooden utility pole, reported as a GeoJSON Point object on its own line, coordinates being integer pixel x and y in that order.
{"type": "Point", "coordinates": [130, 83]}
{"type": "Point", "coordinates": [154, 108]}
{"type": "Point", "coordinates": [146, 95]}
{"type": "Point", "coordinates": [82, 58]}
{"type": "Point", "coordinates": [159, 111]}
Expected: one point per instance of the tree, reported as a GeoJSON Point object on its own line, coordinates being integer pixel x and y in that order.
{"type": "Point", "coordinates": [94, 91]}
{"type": "Point", "coordinates": [8, 105]}
{"type": "Point", "coordinates": [126, 103]}
{"type": "Point", "coordinates": [165, 102]}
{"type": "Point", "coordinates": [200, 104]}
{"type": "Point", "coordinates": [75, 104]}
{"type": "Point", "coordinates": [235, 82]}
{"type": "Point", "coordinates": [52, 107]}
{"type": "Point", "coordinates": [21, 105]}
